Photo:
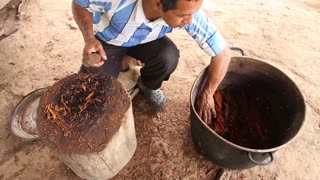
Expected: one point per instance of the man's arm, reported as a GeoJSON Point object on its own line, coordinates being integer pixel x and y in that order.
{"type": "Point", "coordinates": [84, 20]}
{"type": "Point", "coordinates": [216, 72]}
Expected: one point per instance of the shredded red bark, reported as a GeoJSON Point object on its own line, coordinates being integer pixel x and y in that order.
{"type": "Point", "coordinates": [81, 112]}
{"type": "Point", "coordinates": [243, 116]}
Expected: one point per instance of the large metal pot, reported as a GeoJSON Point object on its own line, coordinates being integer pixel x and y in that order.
{"type": "Point", "coordinates": [232, 156]}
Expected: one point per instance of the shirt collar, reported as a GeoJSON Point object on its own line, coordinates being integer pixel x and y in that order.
{"type": "Point", "coordinates": [161, 22]}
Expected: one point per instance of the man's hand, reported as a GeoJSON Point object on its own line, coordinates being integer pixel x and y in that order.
{"type": "Point", "coordinates": [84, 20]}
{"type": "Point", "coordinates": [93, 53]}
{"type": "Point", "coordinates": [205, 107]}
{"type": "Point", "coordinates": [216, 72]}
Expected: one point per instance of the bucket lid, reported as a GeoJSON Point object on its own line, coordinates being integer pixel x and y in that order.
{"type": "Point", "coordinates": [23, 118]}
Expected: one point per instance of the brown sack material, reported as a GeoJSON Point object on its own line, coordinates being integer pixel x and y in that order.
{"type": "Point", "coordinates": [81, 112]}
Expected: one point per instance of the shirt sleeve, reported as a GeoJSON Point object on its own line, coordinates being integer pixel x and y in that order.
{"type": "Point", "coordinates": [206, 34]}
{"type": "Point", "coordinates": [96, 5]}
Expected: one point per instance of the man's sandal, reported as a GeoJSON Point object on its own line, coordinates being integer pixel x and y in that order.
{"type": "Point", "coordinates": [156, 98]}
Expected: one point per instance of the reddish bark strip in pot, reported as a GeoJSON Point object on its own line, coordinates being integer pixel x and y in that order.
{"type": "Point", "coordinates": [81, 112]}
{"type": "Point", "coordinates": [244, 117]}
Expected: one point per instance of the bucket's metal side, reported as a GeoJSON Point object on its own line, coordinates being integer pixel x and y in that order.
{"type": "Point", "coordinates": [22, 119]}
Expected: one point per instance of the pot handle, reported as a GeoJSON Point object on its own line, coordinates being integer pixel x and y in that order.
{"type": "Point", "coordinates": [239, 49]}
{"type": "Point", "coordinates": [262, 163]}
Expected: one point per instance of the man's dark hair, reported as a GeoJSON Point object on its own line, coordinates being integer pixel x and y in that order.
{"type": "Point", "coordinates": [168, 5]}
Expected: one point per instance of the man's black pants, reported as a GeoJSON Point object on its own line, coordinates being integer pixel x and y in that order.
{"type": "Point", "coordinates": [160, 58]}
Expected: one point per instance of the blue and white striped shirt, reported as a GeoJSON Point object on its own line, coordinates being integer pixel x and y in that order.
{"type": "Point", "coordinates": [123, 23]}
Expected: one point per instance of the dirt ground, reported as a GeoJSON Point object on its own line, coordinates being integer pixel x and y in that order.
{"type": "Point", "coordinates": [48, 47]}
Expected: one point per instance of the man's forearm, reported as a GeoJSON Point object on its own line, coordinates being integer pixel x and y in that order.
{"type": "Point", "coordinates": [217, 70]}
{"type": "Point", "coordinates": [84, 20]}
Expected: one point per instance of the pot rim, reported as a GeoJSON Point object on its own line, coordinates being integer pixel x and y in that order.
{"type": "Point", "coordinates": [229, 142]}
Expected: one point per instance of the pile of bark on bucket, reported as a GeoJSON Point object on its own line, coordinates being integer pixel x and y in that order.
{"type": "Point", "coordinates": [87, 120]}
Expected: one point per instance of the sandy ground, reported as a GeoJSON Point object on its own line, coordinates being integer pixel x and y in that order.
{"type": "Point", "coordinates": [46, 48]}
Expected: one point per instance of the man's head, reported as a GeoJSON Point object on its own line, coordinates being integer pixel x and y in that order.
{"type": "Point", "coordinates": [178, 13]}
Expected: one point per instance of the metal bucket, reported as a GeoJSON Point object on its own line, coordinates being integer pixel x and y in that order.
{"type": "Point", "coordinates": [244, 70]}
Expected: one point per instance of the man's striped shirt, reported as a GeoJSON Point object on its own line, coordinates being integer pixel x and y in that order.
{"type": "Point", "coordinates": [123, 23]}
